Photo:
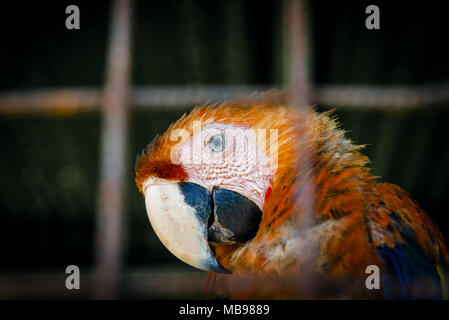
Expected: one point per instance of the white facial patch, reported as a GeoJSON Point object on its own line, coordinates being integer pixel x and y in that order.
{"type": "Point", "coordinates": [241, 166]}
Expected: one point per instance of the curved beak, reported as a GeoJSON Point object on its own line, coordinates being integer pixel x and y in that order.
{"type": "Point", "coordinates": [179, 214]}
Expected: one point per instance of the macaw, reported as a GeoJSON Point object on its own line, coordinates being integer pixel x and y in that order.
{"type": "Point", "coordinates": [224, 189]}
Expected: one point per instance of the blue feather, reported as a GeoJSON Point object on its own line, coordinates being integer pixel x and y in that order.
{"type": "Point", "coordinates": [409, 273]}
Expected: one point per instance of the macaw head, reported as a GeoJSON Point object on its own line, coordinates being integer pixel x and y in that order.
{"type": "Point", "coordinates": [207, 178]}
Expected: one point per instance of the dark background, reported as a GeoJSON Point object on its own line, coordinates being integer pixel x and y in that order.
{"type": "Point", "coordinates": [49, 162]}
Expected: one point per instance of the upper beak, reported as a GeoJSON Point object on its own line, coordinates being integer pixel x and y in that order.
{"type": "Point", "coordinates": [179, 215]}
{"type": "Point", "coordinates": [185, 216]}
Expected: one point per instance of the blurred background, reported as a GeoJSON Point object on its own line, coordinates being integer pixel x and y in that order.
{"type": "Point", "coordinates": [77, 106]}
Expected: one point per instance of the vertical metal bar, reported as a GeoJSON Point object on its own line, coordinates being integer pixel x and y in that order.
{"type": "Point", "coordinates": [297, 50]}
{"type": "Point", "coordinates": [299, 98]}
{"type": "Point", "coordinates": [113, 150]}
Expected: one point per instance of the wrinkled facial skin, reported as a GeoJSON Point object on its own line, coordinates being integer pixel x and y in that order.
{"type": "Point", "coordinates": [221, 200]}
{"type": "Point", "coordinates": [242, 166]}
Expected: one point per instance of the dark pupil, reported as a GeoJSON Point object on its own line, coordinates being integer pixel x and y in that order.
{"type": "Point", "coordinates": [216, 142]}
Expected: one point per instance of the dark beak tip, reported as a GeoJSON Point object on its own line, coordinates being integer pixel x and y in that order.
{"type": "Point", "coordinates": [217, 267]}
{"type": "Point", "coordinates": [221, 269]}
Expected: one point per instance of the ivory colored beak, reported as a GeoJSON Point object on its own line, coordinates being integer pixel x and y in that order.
{"type": "Point", "coordinates": [179, 215]}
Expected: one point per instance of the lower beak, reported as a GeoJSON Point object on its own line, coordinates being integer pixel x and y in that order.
{"type": "Point", "coordinates": [179, 214]}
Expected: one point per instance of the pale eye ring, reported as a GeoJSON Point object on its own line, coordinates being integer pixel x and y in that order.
{"type": "Point", "coordinates": [217, 143]}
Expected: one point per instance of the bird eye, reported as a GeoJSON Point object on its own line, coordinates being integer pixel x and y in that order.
{"type": "Point", "coordinates": [217, 143]}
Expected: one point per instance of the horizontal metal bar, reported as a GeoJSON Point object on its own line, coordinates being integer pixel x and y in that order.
{"type": "Point", "coordinates": [382, 97]}
{"type": "Point", "coordinates": [162, 282]}
{"type": "Point", "coordinates": [53, 99]}
{"type": "Point", "coordinates": [182, 96]}
{"type": "Point", "coordinates": [177, 97]}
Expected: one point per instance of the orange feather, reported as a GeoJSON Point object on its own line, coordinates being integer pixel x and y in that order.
{"type": "Point", "coordinates": [353, 218]}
